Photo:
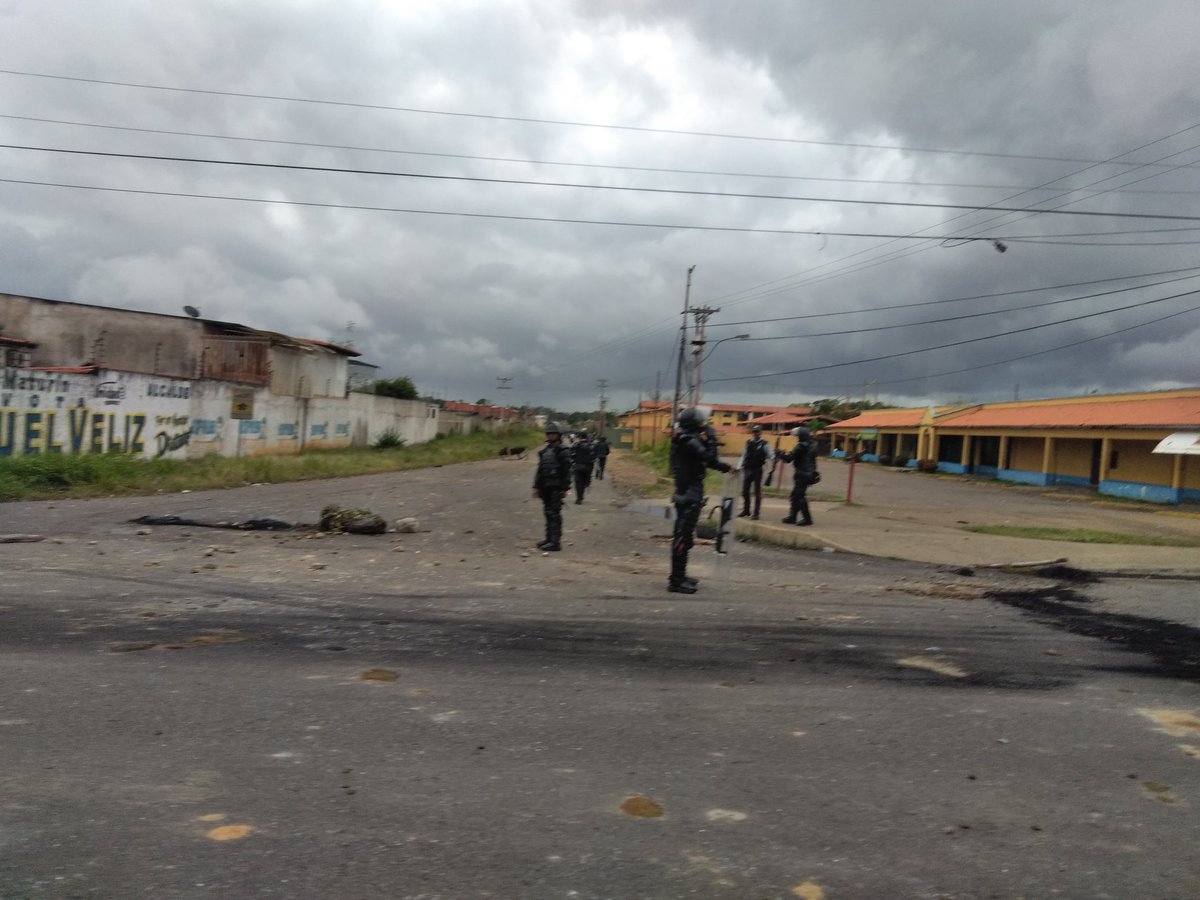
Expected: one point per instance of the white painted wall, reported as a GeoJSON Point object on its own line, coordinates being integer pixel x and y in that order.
{"type": "Point", "coordinates": [44, 412]}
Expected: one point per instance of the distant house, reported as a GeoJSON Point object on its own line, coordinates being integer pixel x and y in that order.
{"type": "Point", "coordinates": [1107, 442]}
{"type": "Point", "coordinates": [650, 422]}
{"type": "Point", "coordinates": [60, 333]}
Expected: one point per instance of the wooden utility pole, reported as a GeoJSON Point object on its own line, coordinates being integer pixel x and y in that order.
{"type": "Point", "coordinates": [681, 363]}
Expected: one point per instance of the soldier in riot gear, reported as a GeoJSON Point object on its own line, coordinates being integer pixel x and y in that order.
{"type": "Point", "coordinates": [581, 452]}
{"type": "Point", "coordinates": [754, 458]}
{"type": "Point", "coordinates": [691, 455]}
{"type": "Point", "coordinates": [803, 458]}
{"type": "Point", "coordinates": [552, 482]}
{"type": "Point", "coordinates": [601, 453]}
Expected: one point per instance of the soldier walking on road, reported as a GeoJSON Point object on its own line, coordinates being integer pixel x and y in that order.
{"type": "Point", "coordinates": [551, 482]}
{"type": "Point", "coordinates": [691, 455]}
{"type": "Point", "coordinates": [582, 451]}
{"type": "Point", "coordinates": [754, 458]}
{"type": "Point", "coordinates": [601, 451]}
{"type": "Point", "coordinates": [803, 458]}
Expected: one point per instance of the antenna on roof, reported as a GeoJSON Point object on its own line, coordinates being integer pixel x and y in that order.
{"type": "Point", "coordinates": [192, 311]}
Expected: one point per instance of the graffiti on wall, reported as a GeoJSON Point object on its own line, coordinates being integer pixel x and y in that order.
{"type": "Point", "coordinates": [42, 413]}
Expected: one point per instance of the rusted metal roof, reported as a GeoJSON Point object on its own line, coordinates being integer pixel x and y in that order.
{"type": "Point", "coordinates": [330, 345]}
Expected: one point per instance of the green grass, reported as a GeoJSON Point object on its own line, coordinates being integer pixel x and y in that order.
{"type": "Point", "coordinates": [111, 474]}
{"type": "Point", "coordinates": [1082, 536]}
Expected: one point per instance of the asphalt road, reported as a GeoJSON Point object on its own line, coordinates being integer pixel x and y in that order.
{"type": "Point", "coordinates": [191, 712]}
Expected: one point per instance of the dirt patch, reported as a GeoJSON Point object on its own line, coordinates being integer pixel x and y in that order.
{"type": "Point", "coordinates": [630, 475]}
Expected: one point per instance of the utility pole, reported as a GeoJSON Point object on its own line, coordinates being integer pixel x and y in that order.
{"type": "Point", "coordinates": [702, 315]}
{"type": "Point", "coordinates": [602, 383]}
{"type": "Point", "coordinates": [682, 361]}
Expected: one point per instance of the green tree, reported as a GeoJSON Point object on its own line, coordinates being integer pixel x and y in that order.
{"type": "Point", "coordinates": [401, 388]}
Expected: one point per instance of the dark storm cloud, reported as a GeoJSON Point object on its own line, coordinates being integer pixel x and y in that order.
{"type": "Point", "coordinates": [457, 302]}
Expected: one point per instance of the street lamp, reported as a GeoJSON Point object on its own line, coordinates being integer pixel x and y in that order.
{"type": "Point", "coordinates": [701, 357]}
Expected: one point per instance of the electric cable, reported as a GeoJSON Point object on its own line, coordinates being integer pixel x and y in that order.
{"type": "Point", "coordinates": [501, 216]}
{"type": "Point", "coordinates": [521, 182]}
{"type": "Point", "coordinates": [657, 170]}
{"type": "Point", "coordinates": [539, 121]}
{"type": "Point", "coordinates": [961, 343]}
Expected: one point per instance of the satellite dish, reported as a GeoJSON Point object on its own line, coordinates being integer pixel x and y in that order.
{"type": "Point", "coordinates": [192, 311]}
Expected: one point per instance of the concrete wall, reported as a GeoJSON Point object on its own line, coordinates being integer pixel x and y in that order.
{"type": "Point", "coordinates": [152, 417]}
{"type": "Point", "coordinates": [105, 412]}
{"type": "Point", "coordinates": [1073, 461]}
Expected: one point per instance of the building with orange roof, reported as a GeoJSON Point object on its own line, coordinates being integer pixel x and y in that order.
{"type": "Point", "coordinates": [650, 422]}
{"type": "Point", "coordinates": [1107, 442]}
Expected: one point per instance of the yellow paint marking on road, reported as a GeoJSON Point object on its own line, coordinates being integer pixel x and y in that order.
{"type": "Point", "coordinates": [799, 733]}
{"type": "Point", "coordinates": [230, 832]}
{"type": "Point", "coordinates": [212, 817]}
{"type": "Point", "coordinates": [1175, 722]}
{"type": "Point", "coordinates": [7, 722]}
{"type": "Point", "coordinates": [641, 807]}
{"type": "Point", "coordinates": [809, 890]}
{"type": "Point", "coordinates": [932, 665]}
{"type": "Point", "coordinates": [378, 675]}
{"type": "Point", "coordinates": [1190, 749]}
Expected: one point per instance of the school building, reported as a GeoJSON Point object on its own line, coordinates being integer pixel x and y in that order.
{"type": "Point", "coordinates": [650, 423]}
{"type": "Point", "coordinates": [1143, 446]}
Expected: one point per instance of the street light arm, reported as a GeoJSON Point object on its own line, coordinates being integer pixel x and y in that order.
{"type": "Point", "coordinates": [735, 337]}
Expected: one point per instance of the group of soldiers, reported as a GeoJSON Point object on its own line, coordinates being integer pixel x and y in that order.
{"type": "Point", "coordinates": [694, 450]}
{"type": "Point", "coordinates": [561, 465]}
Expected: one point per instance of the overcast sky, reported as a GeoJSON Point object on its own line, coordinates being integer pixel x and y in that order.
{"type": "Point", "coordinates": [661, 134]}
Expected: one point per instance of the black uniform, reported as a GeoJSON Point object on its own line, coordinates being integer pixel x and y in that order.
{"type": "Point", "coordinates": [803, 458]}
{"type": "Point", "coordinates": [601, 449]}
{"type": "Point", "coordinates": [552, 480]}
{"type": "Point", "coordinates": [691, 455]}
{"type": "Point", "coordinates": [754, 458]}
{"type": "Point", "coordinates": [582, 452]}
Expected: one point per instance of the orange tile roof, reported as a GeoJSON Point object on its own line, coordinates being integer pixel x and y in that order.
{"type": "Point", "coordinates": [779, 418]}
{"type": "Point", "coordinates": [881, 418]}
{"type": "Point", "coordinates": [1164, 412]}
{"type": "Point", "coordinates": [661, 405]}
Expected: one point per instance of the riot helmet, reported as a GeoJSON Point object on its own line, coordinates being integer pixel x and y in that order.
{"type": "Point", "coordinates": [694, 418]}
{"type": "Point", "coordinates": [757, 429]}
{"type": "Point", "coordinates": [801, 432]}
{"type": "Point", "coordinates": [553, 428]}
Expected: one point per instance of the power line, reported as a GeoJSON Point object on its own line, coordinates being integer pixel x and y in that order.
{"type": "Point", "coordinates": [539, 121]}
{"type": "Point", "coordinates": [989, 296]}
{"type": "Point", "coordinates": [574, 164]}
{"type": "Point", "coordinates": [895, 254]}
{"type": "Point", "coordinates": [990, 312]}
{"type": "Point", "coordinates": [961, 343]}
{"type": "Point", "coordinates": [508, 217]}
{"type": "Point", "coordinates": [523, 182]}
{"type": "Point", "coordinates": [1000, 362]}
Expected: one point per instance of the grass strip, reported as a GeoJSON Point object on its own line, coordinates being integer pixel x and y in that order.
{"type": "Point", "coordinates": [53, 476]}
{"type": "Point", "coordinates": [1082, 536]}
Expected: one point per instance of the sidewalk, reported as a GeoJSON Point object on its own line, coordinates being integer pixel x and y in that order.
{"type": "Point", "coordinates": [902, 514]}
